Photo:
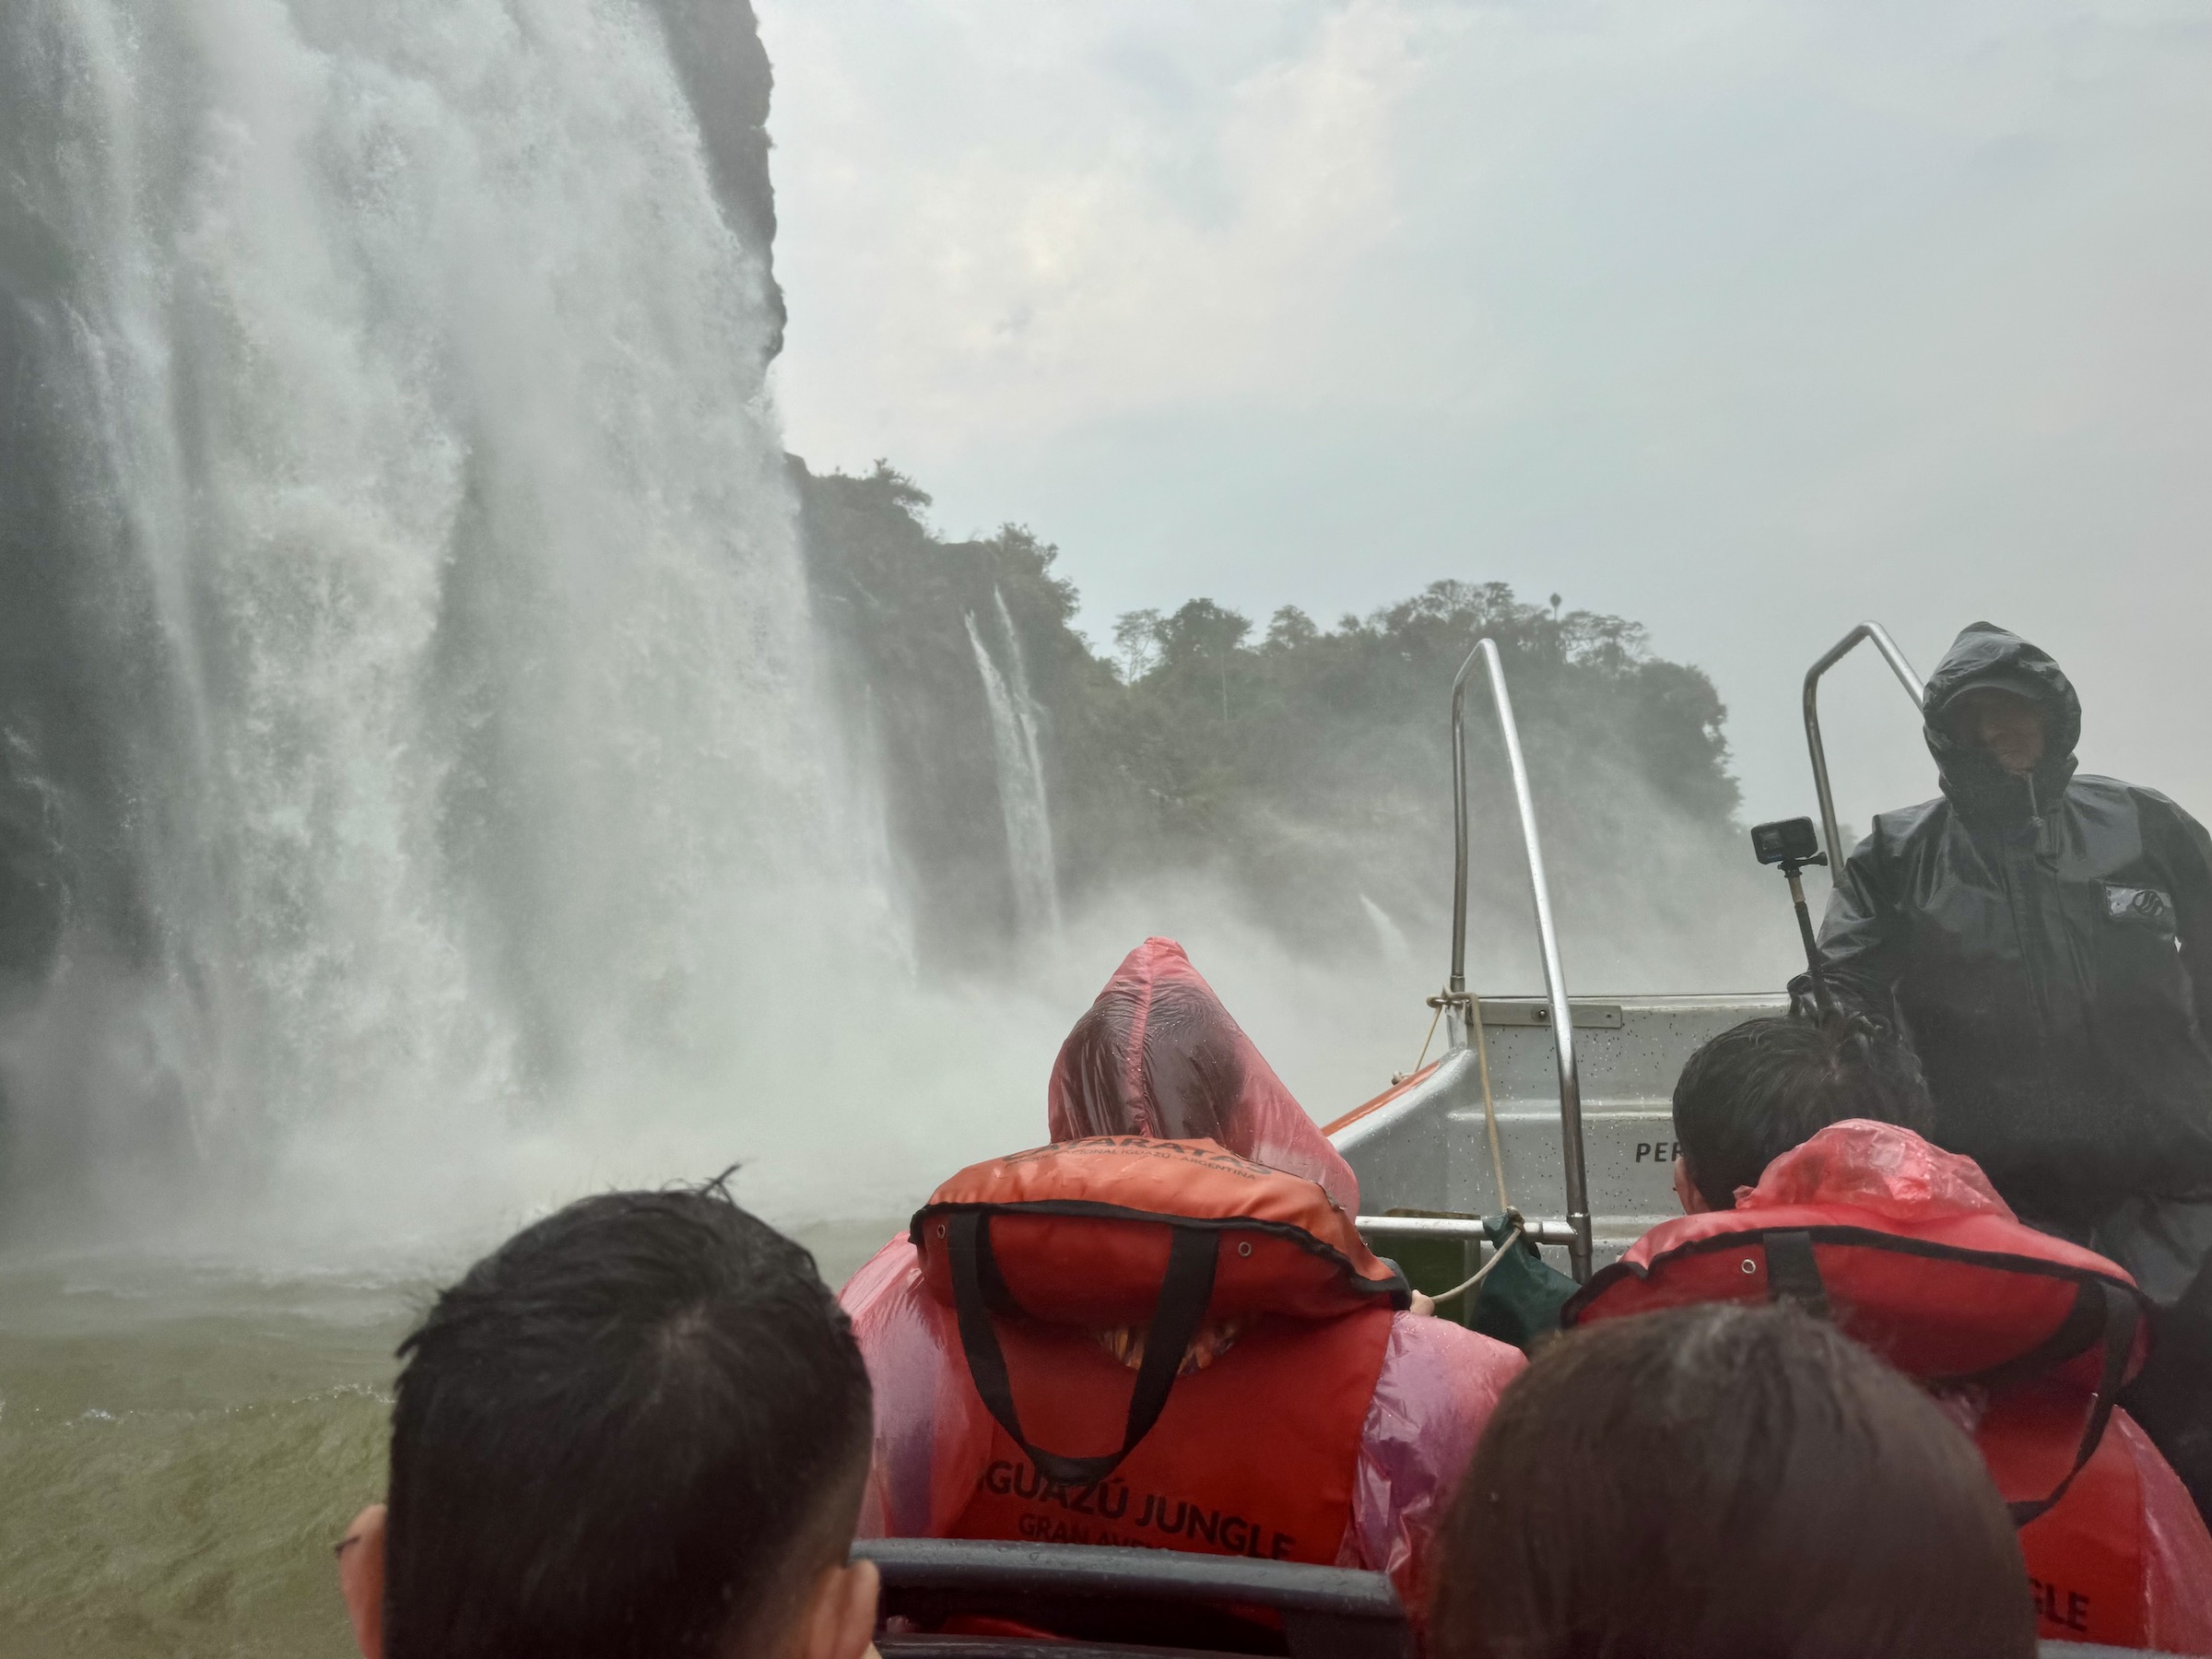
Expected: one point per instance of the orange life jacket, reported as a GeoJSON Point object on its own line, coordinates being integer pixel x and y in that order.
{"type": "Point", "coordinates": [1255, 1454]}
{"type": "Point", "coordinates": [2048, 1330]}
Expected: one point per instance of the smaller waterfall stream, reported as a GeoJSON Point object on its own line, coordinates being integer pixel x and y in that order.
{"type": "Point", "coordinates": [1020, 777]}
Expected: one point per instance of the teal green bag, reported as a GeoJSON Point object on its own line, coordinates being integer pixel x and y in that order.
{"type": "Point", "coordinates": [1519, 1301]}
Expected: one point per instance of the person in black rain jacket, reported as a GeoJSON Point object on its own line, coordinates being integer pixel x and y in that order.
{"type": "Point", "coordinates": [2044, 938]}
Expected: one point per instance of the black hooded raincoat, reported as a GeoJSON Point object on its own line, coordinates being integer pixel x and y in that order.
{"type": "Point", "coordinates": [2047, 942]}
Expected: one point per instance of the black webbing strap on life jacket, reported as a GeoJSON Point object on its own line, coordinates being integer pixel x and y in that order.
{"type": "Point", "coordinates": [2101, 1309]}
{"type": "Point", "coordinates": [1793, 1272]}
{"type": "Point", "coordinates": [978, 1288]}
{"type": "Point", "coordinates": [2084, 1323]}
{"type": "Point", "coordinates": [2120, 1316]}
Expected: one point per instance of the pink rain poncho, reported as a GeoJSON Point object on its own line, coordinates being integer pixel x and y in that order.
{"type": "Point", "coordinates": [1158, 1056]}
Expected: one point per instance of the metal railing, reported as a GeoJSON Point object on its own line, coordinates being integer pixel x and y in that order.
{"type": "Point", "coordinates": [1547, 938]}
{"type": "Point", "coordinates": [1906, 676]}
{"type": "Point", "coordinates": [1467, 1230]}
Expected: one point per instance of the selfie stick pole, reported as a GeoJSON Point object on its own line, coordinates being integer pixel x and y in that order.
{"type": "Point", "coordinates": [1790, 867]}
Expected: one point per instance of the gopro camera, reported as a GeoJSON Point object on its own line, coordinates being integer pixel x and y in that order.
{"type": "Point", "coordinates": [1787, 841]}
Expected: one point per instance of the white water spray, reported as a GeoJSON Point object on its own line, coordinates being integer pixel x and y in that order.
{"type": "Point", "coordinates": [426, 371]}
{"type": "Point", "coordinates": [437, 527]}
{"type": "Point", "coordinates": [1013, 721]}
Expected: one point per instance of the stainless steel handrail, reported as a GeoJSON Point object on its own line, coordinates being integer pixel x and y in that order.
{"type": "Point", "coordinates": [1906, 676]}
{"type": "Point", "coordinates": [1547, 938]}
{"type": "Point", "coordinates": [1451, 1226]}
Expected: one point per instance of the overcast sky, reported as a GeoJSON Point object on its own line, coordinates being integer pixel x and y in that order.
{"type": "Point", "coordinates": [1744, 318]}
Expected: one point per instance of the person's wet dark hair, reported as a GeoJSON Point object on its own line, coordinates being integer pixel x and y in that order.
{"type": "Point", "coordinates": [1761, 1087]}
{"type": "Point", "coordinates": [1724, 1480]}
{"type": "Point", "coordinates": [628, 1433]}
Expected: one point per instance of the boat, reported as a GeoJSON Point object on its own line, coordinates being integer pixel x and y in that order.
{"type": "Point", "coordinates": [1561, 1100]}
{"type": "Point", "coordinates": [1550, 1095]}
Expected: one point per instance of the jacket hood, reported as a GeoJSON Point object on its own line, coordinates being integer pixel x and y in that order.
{"type": "Point", "coordinates": [1156, 1054]}
{"type": "Point", "coordinates": [1877, 1167]}
{"type": "Point", "coordinates": [1985, 655]}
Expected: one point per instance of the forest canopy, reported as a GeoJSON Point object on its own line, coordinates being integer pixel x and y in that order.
{"type": "Point", "coordinates": [1305, 766]}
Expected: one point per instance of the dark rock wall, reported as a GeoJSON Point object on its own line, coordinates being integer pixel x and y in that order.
{"type": "Point", "coordinates": [724, 66]}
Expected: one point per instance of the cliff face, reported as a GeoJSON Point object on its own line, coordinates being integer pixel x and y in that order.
{"type": "Point", "coordinates": [26, 619]}
{"type": "Point", "coordinates": [35, 658]}
{"type": "Point", "coordinates": [903, 614]}
{"type": "Point", "coordinates": [68, 680]}
{"type": "Point", "coordinates": [724, 69]}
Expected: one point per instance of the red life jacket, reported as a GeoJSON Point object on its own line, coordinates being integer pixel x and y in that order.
{"type": "Point", "coordinates": [1931, 1271]}
{"type": "Point", "coordinates": [1253, 1455]}
{"type": "Point", "coordinates": [2085, 1554]}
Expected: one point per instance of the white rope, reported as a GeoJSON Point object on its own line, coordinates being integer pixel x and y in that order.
{"type": "Point", "coordinates": [1398, 1077]}
{"type": "Point", "coordinates": [1512, 1239]}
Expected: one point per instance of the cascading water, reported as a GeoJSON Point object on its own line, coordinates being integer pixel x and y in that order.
{"type": "Point", "coordinates": [429, 566]}
{"type": "Point", "coordinates": [1013, 721]}
{"type": "Point", "coordinates": [411, 813]}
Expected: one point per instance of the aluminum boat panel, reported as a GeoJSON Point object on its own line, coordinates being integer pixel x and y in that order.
{"type": "Point", "coordinates": [1428, 1148]}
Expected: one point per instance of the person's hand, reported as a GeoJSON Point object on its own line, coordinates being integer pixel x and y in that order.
{"type": "Point", "coordinates": [1425, 1306]}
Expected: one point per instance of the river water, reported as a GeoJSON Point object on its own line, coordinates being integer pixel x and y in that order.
{"type": "Point", "coordinates": [181, 1445]}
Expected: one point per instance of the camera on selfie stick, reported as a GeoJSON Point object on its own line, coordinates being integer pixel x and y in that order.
{"type": "Point", "coordinates": [1793, 844]}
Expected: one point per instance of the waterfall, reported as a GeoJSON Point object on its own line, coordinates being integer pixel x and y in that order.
{"type": "Point", "coordinates": [1013, 721]}
{"type": "Point", "coordinates": [389, 384]}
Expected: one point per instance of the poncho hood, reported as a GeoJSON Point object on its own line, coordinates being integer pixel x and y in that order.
{"type": "Point", "coordinates": [1156, 1054]}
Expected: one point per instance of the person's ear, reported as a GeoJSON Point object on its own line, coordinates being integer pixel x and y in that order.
{"type": "Point", "coordinates": [839, 1619]}
{"type": "Point", "coordinates": [1686, 1189]}
{"type": "Point", "coordinates": [362, 1580]}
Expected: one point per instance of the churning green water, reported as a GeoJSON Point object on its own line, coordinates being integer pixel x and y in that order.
{"type": "Point", "coordinates": [178, 1452]}
{"type": "Point", "coordinates": [180, 1448]}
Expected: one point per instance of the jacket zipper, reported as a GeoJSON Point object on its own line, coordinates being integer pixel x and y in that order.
{"type": "Point", "coordinates": [2015, 894]}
